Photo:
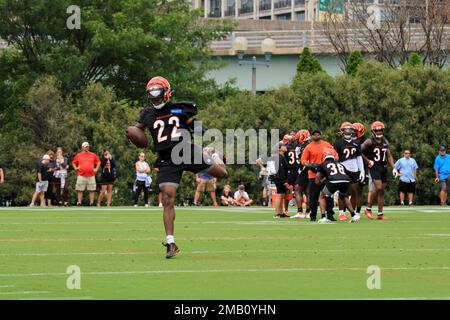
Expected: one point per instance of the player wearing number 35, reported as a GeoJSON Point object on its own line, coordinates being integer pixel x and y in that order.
{"type": "Point", "coordinates": [168, 124]}
{"type": "Point", "coordinates": [376, 153]}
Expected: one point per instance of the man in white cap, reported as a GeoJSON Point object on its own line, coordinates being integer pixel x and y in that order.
{"type": "Point", "coordinates": [86, 164]}
{"type": "Point", "coordinates": [43, 176]}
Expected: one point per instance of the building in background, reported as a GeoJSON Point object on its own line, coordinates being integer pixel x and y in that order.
{"type": "Point", "coordinates": [293, 10]}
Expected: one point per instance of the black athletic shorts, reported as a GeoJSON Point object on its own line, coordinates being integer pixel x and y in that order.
{"type": "Point", "coordinates": [378, 173]}
{"type": "Point", "coordinates": [292, 176]}
{"type": "Point", "coordinates": [170, 172]}
{"type": "Point", "coordinates": [107, 178]}
{"type": "Point", "coordinates": [407, 187]}
{"type": "Point", "coordinates": [302, 179]}
{"type": "Point", "coordinates": [331, 188]}
{"type": "Point", "coordinates": [281, 189]}
{"type": "Point", "coordinates": [354, 176]}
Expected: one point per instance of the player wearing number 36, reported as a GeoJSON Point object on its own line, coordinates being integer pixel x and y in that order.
{"type": "Point", "coordinates": [171, 125]}
{"type": "Point", "coordinates": [376, 153]}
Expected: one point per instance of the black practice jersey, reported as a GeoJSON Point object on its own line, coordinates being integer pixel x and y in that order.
{"type": "Point", "coordinates": [165, 123]}
{"type": "Point", "coordinates": [293, 155]}
{"type": "Point", "coordinates": [360, 141]}
{"type": "Point", "coordinates": [377, 152]}
{"type": "Point", "coordinates": [347, 150]}
{"type": "Point", "coordinates": [332, 170]}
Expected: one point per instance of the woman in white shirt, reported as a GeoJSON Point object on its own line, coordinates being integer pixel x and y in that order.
{"type": "Point", "coordinates": [143, 179]}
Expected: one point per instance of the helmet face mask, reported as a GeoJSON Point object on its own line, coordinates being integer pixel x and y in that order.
{"type": "Point", "coordinates": [348, 134]}
{"type": "Point", "coordinates": [378, 133]}
{"type": "Point", "coordinates": [158, 92]}
{"type": "Point", "coordinates": [378, 129]}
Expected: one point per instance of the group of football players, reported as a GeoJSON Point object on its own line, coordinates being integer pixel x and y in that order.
{"type": "Point", "coordinates": [314, 170]}
{"type": "Point", "coordinates": [310, 165]}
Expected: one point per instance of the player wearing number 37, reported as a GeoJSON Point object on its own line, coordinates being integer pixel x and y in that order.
{"type": "Point", "coordinates": [171, 125]}
{"type": "Point", "coordinates": [376, 153]}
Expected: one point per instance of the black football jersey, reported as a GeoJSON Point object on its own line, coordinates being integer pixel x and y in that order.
{"type": "Point", "coordinates": [377, 152]}
{"type": "Point", "coordinates": [333, 171]}
{"type": "Point", "coordinates": [347, 150]}
{"type": "Point", "coordinates": [165, 123]}
{"type": "Point", "coordinates": [293, 156]}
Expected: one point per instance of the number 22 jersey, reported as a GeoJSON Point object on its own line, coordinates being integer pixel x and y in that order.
{"type": "Point", "coordinates": [165, 123]}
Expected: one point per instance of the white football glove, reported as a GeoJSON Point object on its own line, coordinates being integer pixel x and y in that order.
{"type": "Point", "coordinates": [395, 173]}
{"type": "Point", "coordinates": [362, 176]}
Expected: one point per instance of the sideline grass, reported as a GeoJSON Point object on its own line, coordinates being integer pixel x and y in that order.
{"type": "Point", "coordinates": [225, 254]}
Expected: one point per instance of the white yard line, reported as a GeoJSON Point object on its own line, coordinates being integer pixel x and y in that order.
{"type": "Point", "coordinates": [22, 292]}
{"type": "Point", "coordinates": [107, 273]}
{"type": "Point", "coordinates": [7, 286]}
{"type": "Point", "coordinates": [202, 239]}
{"type": "Point", "coordinates": [59, 298]}
{"type": "Point", "coordinates": [366, 250]}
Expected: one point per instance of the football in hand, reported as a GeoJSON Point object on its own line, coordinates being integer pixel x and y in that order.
{"type": "Point", "coordinates": [137, 137]}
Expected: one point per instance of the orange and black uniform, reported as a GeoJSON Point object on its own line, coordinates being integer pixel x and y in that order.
{"type": "Point", "coordinates": [377, 151]}
{"type": "Point", "coordinates": [164, 125]}
{"type": "Point", "coordinates": [313, 153]}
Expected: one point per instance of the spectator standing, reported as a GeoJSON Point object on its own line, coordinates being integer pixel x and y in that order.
{"type": "Point", "coordinates": [313, 154]}
{"type": "Point", "coordinates": [143, 179]}
{"type": "Point", "coordinates": [242, 198]}
{"type": "Point", "coordinates": [60, 178]}
{"type": "Point", "coordinates": [86, 163]}
{"type": "Point", "coordinates": [50, 194]}
{"type": "Point", "coordinates": [205, 182]}
{"type": "Point", "coordinates": [227, 197]}
{"type": "Point", "coordinates": [264, 178]}
{"type": "Point", "coordinates": [43, 175]}
{"type": "Point", "coordinates": [108, 176]}
{"type": "Point", "coordinates": [407, 168]}
{"type": "Point", "coordinates": [442, 171]}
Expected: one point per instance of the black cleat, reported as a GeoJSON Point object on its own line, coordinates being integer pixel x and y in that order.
{"type": "Point", "coordinates": [172, 250]}
{"type": "Point", "coordinates": [331, 218]}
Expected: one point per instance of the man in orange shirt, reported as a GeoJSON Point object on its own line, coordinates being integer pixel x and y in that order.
{"type": "Point", "coordinates": [313, 154]}
{"type": "Point", "coordinates": [86, 164]}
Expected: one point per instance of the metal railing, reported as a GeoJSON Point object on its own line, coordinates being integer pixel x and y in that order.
{"type": "Point", "coordinates": [316, 39]}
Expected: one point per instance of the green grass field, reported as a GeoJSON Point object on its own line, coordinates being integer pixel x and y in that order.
{"type": "Point", "coordinates": [225, 254]}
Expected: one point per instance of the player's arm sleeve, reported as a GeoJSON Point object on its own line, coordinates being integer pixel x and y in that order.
{"type": "Point", "coordinates": [360, 162]}
{"type": "Point", "coordinates": [143, 119]}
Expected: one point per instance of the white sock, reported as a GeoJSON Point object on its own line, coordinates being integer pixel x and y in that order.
{"type": "Point", "coordinates": [170, 239]}
{"type": "Point", "coordinates": [380, 213]}
{"type": "Point", "coordinates": [341, 212]}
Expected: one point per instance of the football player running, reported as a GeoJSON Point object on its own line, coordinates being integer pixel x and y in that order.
{"type": "Point", "coordinates": [337, 180]}
{"type": "Point", "coordinates": [303, 137]}
{"type": "Point", "coordinates": [350, 157]}
{"type": "Point", "coordinates": [167, 122]}
{"type": "Point", "coordinates": [377, 155]}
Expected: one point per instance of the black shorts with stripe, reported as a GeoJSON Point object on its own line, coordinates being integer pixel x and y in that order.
{"type": "Point", "coordinates": [302, 179]}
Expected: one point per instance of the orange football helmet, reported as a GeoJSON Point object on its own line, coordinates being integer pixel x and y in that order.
{"type": "Point", "coordinates": [377, 126]}
{"type": "Point", "coordinates": [329, 153]}
{"type": "Point", "coordinates": [360, 129]}
{"type": "Point", "coordinates": [302, 136]}
{"type": "Point", "coordinates": [159, 91]}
